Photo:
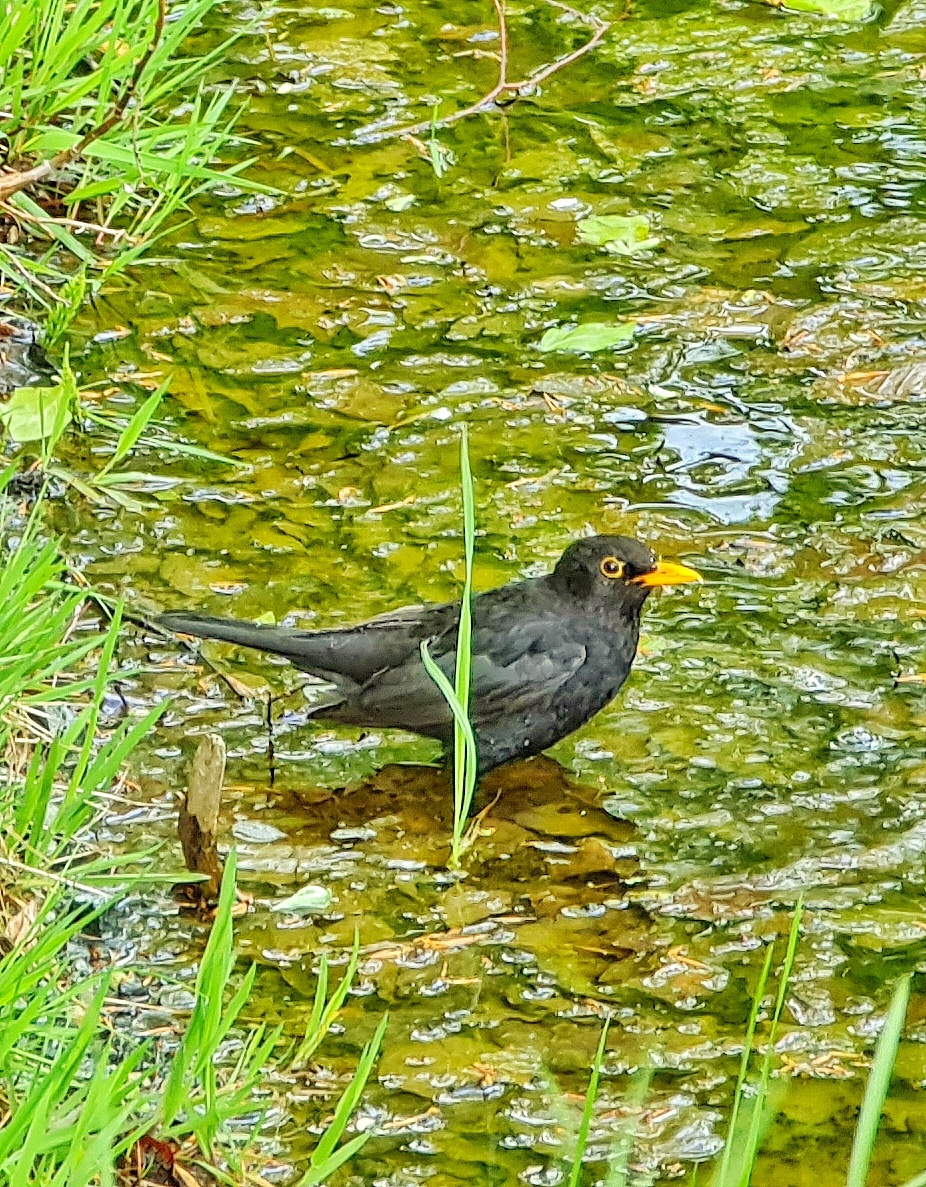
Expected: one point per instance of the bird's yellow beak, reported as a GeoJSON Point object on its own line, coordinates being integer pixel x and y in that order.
{"type": "Point", "coordinates": [667, 573]}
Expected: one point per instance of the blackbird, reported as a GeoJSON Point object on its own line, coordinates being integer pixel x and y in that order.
{"type": "Point", "coordinates": [547, 652]}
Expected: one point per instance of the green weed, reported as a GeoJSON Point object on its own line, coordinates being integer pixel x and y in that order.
{"type": "Point", "coordinates": [465, 757]}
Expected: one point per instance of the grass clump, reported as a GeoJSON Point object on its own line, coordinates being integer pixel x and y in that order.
{"type": "Point", "coordinates": [97, 155]}
{"type": "Point", "coordinates": [753, 1107]}
{"type": "Point", "coordinates": [79, 1095]}
{"type": "Point", "coordinates": [755, 1098]}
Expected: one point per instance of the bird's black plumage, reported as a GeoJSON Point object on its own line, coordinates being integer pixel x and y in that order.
{"type": "Point", "coordinates": [547, 652]}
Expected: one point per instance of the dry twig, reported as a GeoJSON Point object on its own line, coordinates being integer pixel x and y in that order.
{"type": "Point", "coordinates": [14, 213]}
{"type": "Point", "coordinates": [504, 86]}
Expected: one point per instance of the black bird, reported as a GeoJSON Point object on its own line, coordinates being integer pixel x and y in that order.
{"type": "Point", "coordinates": [547, 653]}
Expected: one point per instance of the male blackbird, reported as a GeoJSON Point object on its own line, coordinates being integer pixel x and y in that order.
{"type": "Point", "coordinates": [547, 653]}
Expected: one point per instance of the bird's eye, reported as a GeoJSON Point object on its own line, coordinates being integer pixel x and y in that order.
{"type": "Point", "coordinates": [611, 568]}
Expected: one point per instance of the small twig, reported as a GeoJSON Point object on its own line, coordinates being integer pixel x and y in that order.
{"type": "Point", "coordinates": [502, 41]}
{"type": "Point", "coordinates": [12, 182]}
{"type": "Point", "coordinates": [271, 744]}
{"type": "Point", "coordinates": [29, 278]}
{"type": "Point", "coordinates": [600, 27]}
{"type": "Point", "coordinates": [503, 86]}
{"type": "Point", "coordinates": [475, 825]}
{"type": "Point", "coordinates": [78, 225]}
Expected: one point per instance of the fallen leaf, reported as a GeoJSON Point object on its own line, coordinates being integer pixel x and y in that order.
{"type": "Point", "coordinates": [586, 338]}
{"type": "Point", "coordinates": [307, 900]}
{"type": "Point", "coordinates": [38, 413]}
{"type": "Point", "coordinates": [843, 10]}
{"type": "Point", "coordinates": [618, 233]}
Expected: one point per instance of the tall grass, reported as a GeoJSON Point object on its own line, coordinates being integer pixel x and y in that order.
{"type": "Point", "coordinates": [76, 1096]}
{"type": "Point", "coordinates": [89, 99]}
{"type": "Point", "coordinates": [457, 695]}
{"type": "Point", "coordinates": [585, 1122]}
{"type": "Point", "coordinates": [752, 1110]}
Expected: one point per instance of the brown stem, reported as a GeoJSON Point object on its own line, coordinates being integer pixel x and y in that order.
{"type": "Point", "coordinates": [502, 41]}
{"type": "Point", "coordinates": [76, 223]}
{"type": "Point", "coordinates": [503, 86]}
{"type": "Point", "coordinates": [14, 181]}
{"type": "Point", "coordinates": [539, 76]}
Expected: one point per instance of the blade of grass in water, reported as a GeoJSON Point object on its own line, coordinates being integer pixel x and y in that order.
{"type": "Point", "coordinates": [619, 1162]}
{"type": "Point", "coordinates": [464, 751]}
{"type": "Point", "coordinates": [465, 759]}
{"type": "Point", "coordinates": [879, 1081]}
{"type": "Point", "coordinates": [575, 1170]}
{"type": "Point", "coordinates": [136, 426]}
{"type": "Point", "coordinates": [761, 1114]}
{"type": "Point", "coordinates": [727, 1175]}
{"type": "Point", "coordinates": [327, 1155]}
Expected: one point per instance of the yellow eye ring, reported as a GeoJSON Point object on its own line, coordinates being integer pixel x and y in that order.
{"type": "Point", "coordinates": [611, 568]}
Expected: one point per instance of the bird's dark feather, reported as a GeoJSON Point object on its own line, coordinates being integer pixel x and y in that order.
{"type": "Point", "coordinates": [547, 654]}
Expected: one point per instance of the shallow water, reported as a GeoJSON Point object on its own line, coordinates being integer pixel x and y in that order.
{"type": "Point", "coordinates": [766, 423]}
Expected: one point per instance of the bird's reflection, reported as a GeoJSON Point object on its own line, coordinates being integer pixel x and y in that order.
{"type": "Point", "coordinates": [533, 811]}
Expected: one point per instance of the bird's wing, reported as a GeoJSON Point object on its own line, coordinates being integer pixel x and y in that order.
{"type": "Point", "coordinates": [517, 664]}
{"type": "Point", "coordinates": [391, 639]}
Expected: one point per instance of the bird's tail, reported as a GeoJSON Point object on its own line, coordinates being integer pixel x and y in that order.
{"type": "Point", "coordinates": [277, 639]}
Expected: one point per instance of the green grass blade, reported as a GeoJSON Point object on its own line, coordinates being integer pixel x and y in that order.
{"type": "Point", "coordinates": [879, 1081]}
{"type": "Point", "coordinates": [464, 750]}
{"type": "Point", "coordinates": [465, 755]}
{"type": "Point", "coordinates": [726, 1176]}
{"type": "Point", "coordinates": [461, 720]}
{"type": "Point", "coordinates": [585, 1124]}
{"type": "Point", "coordinates": [324, 1009]}
{"type": "Point", "coordinates": [129, 436]}
{"type": "Point", "coordinates": [760, 1114]}
{"type": "Point", "coordinates": [619, 1162]}
{"type": "Point", "coordinates": [325, 1157]}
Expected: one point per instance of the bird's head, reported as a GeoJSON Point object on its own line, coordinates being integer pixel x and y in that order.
{"type": "Point", "coordinates": [615, 573]}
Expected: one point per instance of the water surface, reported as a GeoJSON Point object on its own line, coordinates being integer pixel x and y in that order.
{"type": "Point", "coordinates": [766, 423]}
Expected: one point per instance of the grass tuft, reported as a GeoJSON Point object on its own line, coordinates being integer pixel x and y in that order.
{"type": "Point", "coordinates": [89, 90]}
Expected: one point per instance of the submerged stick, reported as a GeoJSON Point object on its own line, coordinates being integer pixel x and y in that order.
{"type": "Point", "coordinates": [199, 813]}
{"type": "Point", "coordinates": [504, 86]}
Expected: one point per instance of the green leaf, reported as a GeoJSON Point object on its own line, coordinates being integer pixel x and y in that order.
{"type": "Point", "coordinates": [621, 234]}
{"type": "Point", "coordinates": [306, 900]}
{"type": "Point", "coordinates": [592, 336]}
{"type": "Point", "coordinates": [37, 413]}
{"type": "Point", "coordinates": [843, 10]}
{"type": "Point", "coordinates": [128, 438]}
